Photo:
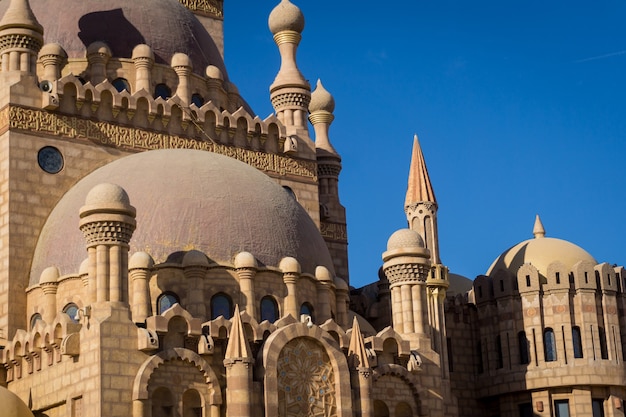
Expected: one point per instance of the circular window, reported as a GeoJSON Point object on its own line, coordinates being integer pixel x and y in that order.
{"type": "Point", "coordinates": [50, 159]}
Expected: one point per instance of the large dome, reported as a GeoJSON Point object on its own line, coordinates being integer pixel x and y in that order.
{"type": "Point", "coordinates": [187, 199]}
{"type": "Point", "coordinates": [165, 25]}
{"type": "Point", "coordinates": [540, 252]}
{"type": "Point", "coordinates": [12, 406]}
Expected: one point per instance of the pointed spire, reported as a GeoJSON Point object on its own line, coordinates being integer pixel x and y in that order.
{"type": "Point", "coordinates": [20, 15]}
{"type": "Point", "coordinates": [238, 346]}
{"type": "Point", "coordinates": [538, 230]}
{"type": "Point", "coordinates": [420, 188]}
{"type": "Point", "coordinates": [357, 355]}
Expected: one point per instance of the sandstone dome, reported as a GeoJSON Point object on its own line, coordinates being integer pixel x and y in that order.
{"type": "Point", "coordinates": [165, 25]}
{"type": "Point", "coordinates": [540, 252]}
{"type": "Point", "coordinates": [189, 200]}
{"type": "Point", "coordinates": [12, 406]}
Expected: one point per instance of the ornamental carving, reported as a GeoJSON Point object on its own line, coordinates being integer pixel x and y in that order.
{"type": "Point", "coordinates": [306, 381]}
{"type": "Point", "coordinates": [14, 41]}
{"type": "Point", "coordinates": [107, 232]}
{"type": "Point", "coordinates": [209, 7]}
{"type": "Point", "coordinates": [334, 231]}
{"type": "Point", "coordinates": [109, 134]}
{"type": "Point", "coordinates": [406, 273]}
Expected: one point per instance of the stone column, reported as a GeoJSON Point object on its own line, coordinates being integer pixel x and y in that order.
{"type": "Point", "coordinates": [324, 289]}
{"type": "Point", "coordinates": [140, 265]}
{"type": "Point", "coordinates": [52, 56]}
{"type": "Point", "coordinates": [143, 57]}
{"type": "Point", "coordinates": [49, 285]}
{"type": "Point", "coordinates": [246, 267]}
{"type": "Point", "coordinates": [98, 54]}
{"type": "Point", "coordinates": [291, 273]}
{"type": "Point", "coordinates": [195, 266]}
{"type": "Point", "coordinates": [181, 64]}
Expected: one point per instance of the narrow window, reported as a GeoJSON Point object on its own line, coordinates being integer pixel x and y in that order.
{"type": "Point", "coordinates": [197, 100]}
{"type": "Point", "coordinates": [500, 361]}
{"type": "Point", "coordinates": [450, 362]}
{"type": "Point", "coordinates": [307, 309]}
{"type": "Point", "coordinates": [549, 345]}
{"type": "Point", "coordinates": [597, 407]}
{"type": "Point", "coordinates": [166, 301]}
{"type": "Point", "coordinates": [577, 341]}
{"type": "Point", "coordinates": [561, 408]}
{"type": "Point", "coordinates": [586, 278]}
{"type": "Point", "coordinates": [501, 285]}
{"type": "Point", "coordinates": [221, 306]}
{"type": "Point", "coordinates": [34, 320]}
{"type": "Point", "coordinates": [604, 353]}
{"type": "Point", "coordinates": [524, 357]}
{"type": "Point", "coordinates": [162, 91]}
{"type": "Point", "coordinates": [269, 309]}
{"type": "Point", "coordinates": [558, 278]}
{"type": "Point", "coordinates": [528, 280]}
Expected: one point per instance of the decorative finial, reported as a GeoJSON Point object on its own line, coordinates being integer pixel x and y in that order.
{"type": "Point", "coordinates": [538, 230]}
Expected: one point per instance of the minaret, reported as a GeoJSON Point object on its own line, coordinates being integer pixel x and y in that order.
{"type": "Point", "coordinates": [332, 213]}
{"type": "Point", "coordinates": [361, 372]}
{"type": "Point", "coordinates": [21, 38]}
{"type": "Point", "coordinates": [238, 361]}
{"type": "Point", "coordinates": [290, 92]}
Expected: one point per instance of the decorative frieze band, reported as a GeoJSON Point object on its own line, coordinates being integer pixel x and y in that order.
{"type": "Point", "coordinates": [209, 7]}
{"type": "Point", "coordinates": [334, 231]}
{"type": "Point", "coordinates": [109, 134]}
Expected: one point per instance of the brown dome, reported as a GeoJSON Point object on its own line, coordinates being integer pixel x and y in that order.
{"type": "Point", "coordinates": [189, 200]}
{"type": "Point", "coordinates": [165, 25]}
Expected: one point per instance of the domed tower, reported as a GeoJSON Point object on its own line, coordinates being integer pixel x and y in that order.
{"type": "Point", "coordinates": [290, 92]}
{"type": "Point", "coordinates": [21, 38]}
{"type": "Point", "coordinates": [332, 213]}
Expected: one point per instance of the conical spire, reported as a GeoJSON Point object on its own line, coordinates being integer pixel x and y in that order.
{"type": "Point", "coordinates": [238, 346]}
{"type": "Point", "coordinates": [420, 188]}
{"type": "Point", "coordinates": [538, 229]}
{"type": "Point", "coordinates": [357, 355]}
{"type": "Point", "coordinates": [20, 15]}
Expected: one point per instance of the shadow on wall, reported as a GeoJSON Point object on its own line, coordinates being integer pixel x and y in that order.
{"type": "Point", "coordinates": [112, 28]}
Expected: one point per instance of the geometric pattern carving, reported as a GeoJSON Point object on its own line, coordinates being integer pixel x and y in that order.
{"type": "Point", "coordinates": [334, 231]}
{"type": "Point", "coordinates": [107, 232]}
{"type": "Point", "coordinates": [409, 272]}
{"type": "Point", "coordinates": [306, 382]}
{"type": "Point", "coordinates": [117, 136]}
{"type": "Point", "coordinates": [208, 7]}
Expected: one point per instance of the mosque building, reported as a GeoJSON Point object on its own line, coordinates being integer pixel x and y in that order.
{"type": "Point", "coordinates": [165, 252]}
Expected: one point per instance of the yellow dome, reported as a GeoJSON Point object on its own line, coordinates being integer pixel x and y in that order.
{"type": "Point", "coordinates": [540, 252]}
{"type": "Point", "coordinates": [12, 406]}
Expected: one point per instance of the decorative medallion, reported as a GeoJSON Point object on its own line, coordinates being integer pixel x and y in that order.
{"type": "Point", "coordinates": [50, 159]}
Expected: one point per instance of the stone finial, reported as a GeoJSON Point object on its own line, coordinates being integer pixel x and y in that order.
{"type": "Point", "coordinates": [538, 230]}
{"type": "Point", "coordinates": [419, 187]}
{"type": "Point", "coordinates": [49, 279]}
{"type": "Point", "coordinates": [20, 15]}
{"type": "Point", "coordinates": [245, 260]}
{"type": "Point", "coordinates": [286, 17]}
{"type": "Point", "coordinates": [323, 274]}
{"type": "Point", "coordinates": [98, 54]}
{"type": "Point", "coordinates": [290, 265]}
{"type": "Point", "coordinates": [143, 57]}
{"type": "Point", "coordinates": [214, 72]}
{"type": "Point", "coordinates": [52, 56]}
{"type": "Point", "coordinates": [195, 258]}
{"type": "Point", "coordinates": [406, 258]}
{"type": "Point", "coordinates": [238, 347]}
{"type": "Point", "coordinates": [321, 116]}
{"type": "Point", "coordinates": [140, 260]}
{"type": "Point", "coordinates": [321, 99]}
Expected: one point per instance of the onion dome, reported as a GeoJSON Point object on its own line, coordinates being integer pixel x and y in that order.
{"type": "Point", "coordinates": [540, 252]}
{"type": "Point", "coordinates": [188, 200]}
{"type": "Point", "coordinates": [321, 99]}
{"type": "Point", "coordinates": [286, 16]}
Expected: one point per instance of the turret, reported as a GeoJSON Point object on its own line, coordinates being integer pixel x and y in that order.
{"type": "Point", "coordinates": [290, 92]}
{"type": "Point", "coordinates": [21, 38]}
{"type": "Point", "coordinates": [332, 213]}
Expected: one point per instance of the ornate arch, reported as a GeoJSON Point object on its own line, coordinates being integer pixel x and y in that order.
{"type": "Point", "coordinates": [314, 336]}
{"type": "Point", "coordinates": [140, 386]}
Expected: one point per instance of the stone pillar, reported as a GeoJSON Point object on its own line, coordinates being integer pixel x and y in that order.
{"type": "Point", "coordinates": [238, 361]}
{"type": "Point", "coordinates": [291, 272]}
{"type": "Point", "coordinates": [49, 285]}
{"type": "Point", "coordinates": [360, 372]}
{"type": "Point", "coordinates": [342, 297]}
{"type": "Point", "coordinates": [181, 64]}
{"type": "Point", "coordinates": [98, 54]}
{"type": "Point", "coordinates": [246, 267]}
{"type": "Point", "coordinates": [140, 265]}
{"type": "Point", "coordinates": [143, 57]}
{"type": "Point", "coordinates": [52, 56]}
{"type": "Point", "coordinates": [324, 289]}
{"type": "Point", "coordinates": [107, 221]}
{"type": "Point", "coordinates": [195, 265]}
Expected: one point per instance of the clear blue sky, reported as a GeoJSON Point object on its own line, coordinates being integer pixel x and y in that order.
{"type": "Point", "coordinates": [520, 108]}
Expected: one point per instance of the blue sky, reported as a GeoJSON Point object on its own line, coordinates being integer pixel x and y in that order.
{"type": "Point", "coordinates": [519, 106]}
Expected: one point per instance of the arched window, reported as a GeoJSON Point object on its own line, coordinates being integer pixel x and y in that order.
{"type": "Point", "coordinates": [604, 353]}
{"type": "Point", "coordinates": [197, 100]}
{"type": "Point", "coordinates": [549, 345]}
{"type": "Point", "coordinates": [380, 409]}
{"type": "Point", "coordinates": [269, 309]}
{"type": "Point", "coordinates": [403, 410]}
{"type": "Point", "coordinates": [72, 311]}
{"type": "Point", "coordinates": [162, 403]}
{"type": "Point", "coordinates": [34, 320]}
{"type": "Point", "coordinates": [524, 356]}
{"type": "Point", "coordinates": [221, 305]}
{"type": "Point", "coordinates": [121, 84]}
{"type": "Point", "coordinates": [577, 341]}
{"type": "Point", "coordinates": [163, 91]}
{"type": "Point", "coordinates": [192, 404]}
{"type": "Point", "coordinates": [307, 309]}
{"type": "Point", "coordinates": [166, 301]}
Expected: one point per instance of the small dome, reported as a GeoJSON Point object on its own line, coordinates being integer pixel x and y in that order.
{"type": "Point", "coordinates": [12, 405]}
{"type": "Point", "coordinates": [195, 258]}
{"type": "Point", "coordinates": [286, 16]}
{"type": "Point", "coordinates": [180, 60]}
{"type": "Point", "coordinates": [52, 49]}
{"type": "Point", "coordinates": [290, 265]}
{"type": "Point", "coordinates": [84, 267]}
{"type": "Point", "coordinates": [245, 260]}
{"type": "Point", "coordinates": [142, 51]}
{"type": "Point", "coordinates": [140, 260]}
{"type": "Point", "coordinates": [341, 284]}
{"type": "Point", "coordinates": [214, 72]}
{"type": "Point", "coordinates": [49, 275]}
{"type": "Point", "coordinates": [99, 48]}
{"type": "Point", "coordinates": [405, 238]}
{"type": "Point", "coordinates": [106, 194]}
{"type": "Point", "coordinates": [540, 252]}
{"type": "Point", "coordinates": [321, 99]}
{"type": "Point", "coordinates": [323, 274]}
